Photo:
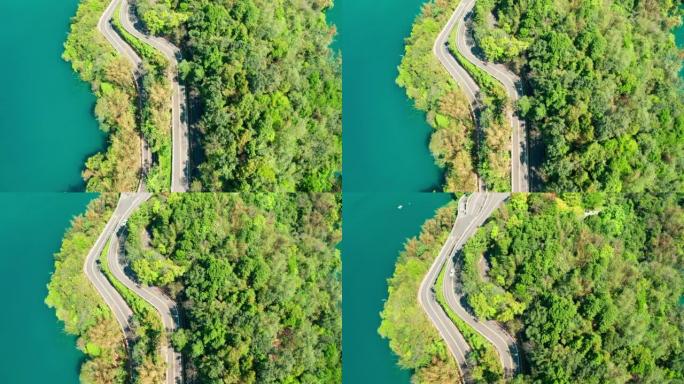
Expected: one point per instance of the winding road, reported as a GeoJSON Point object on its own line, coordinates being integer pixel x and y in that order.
{"type": "Point", "coordinates": [179, 127]}
{"type": "Point", "coordinates": [510, 81]}
{"type": "Point", "coordinates": [154, 296]}
{"type": "Point", "coordinates": [105, 28]}
{"type": "Point", "coordinates": [127, 204]}
{"type": "Point", "coordinates": [426, 298]}
{"type": "Point", "coordinates": [473, 211]}
{"type": "Point", "coordinates": [503, 343]}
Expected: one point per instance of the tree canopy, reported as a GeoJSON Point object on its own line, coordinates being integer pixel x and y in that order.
{"type": "Point", "coordinates": [257, 279]}
{"type": "Point", "coordinates": [590, 284]}
{"type": "Point", "coordinates": [604, 98]}
{"type": "Point", "coordinates": [266, 91]}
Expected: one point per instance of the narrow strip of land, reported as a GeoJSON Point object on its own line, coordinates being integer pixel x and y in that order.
{"type": "Point", "coordinates": [426, 298]}
{"type": "Point", "coordinates": [473, 211]}
{"type": "Point", "coordinates": [460, 75]}
{"type": "Point", "coordinates": [127, 204]}
{"type": "Point", "coordinates": [105, 27]}
{"type": "Point", "coordinates": [155, 297]}
{"type": "Point", "coordinates": [510, 81]}
{"type": "Point", "coordinates": [122, 312]}
{"type": "Point", "coordinates": [179, 128]}
{"type": "Point", "coordinates": [470, 212]}
{"type": "Point", "coordinates": [492, 331]}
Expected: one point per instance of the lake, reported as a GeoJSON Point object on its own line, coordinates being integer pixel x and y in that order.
{"type": "Point", "coordinates": [46, 120]}
{"type": "Point", "coordinates": [31, 230]}
{"type": "Point", "coordinates": [385, 138]}
{"type": "Point", "coordinates": [375, 229]}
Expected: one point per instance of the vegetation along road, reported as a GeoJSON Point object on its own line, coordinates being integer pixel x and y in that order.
{"type": "Point", "coordinates": [473, 211]}
{"type": "Point", "coordinates": [460, 75]}
{"type": "Point", "coordinates": [154, 296]}
{"type": "Point", "coordinates": [128, 202]}
{"type": "Point", "coordinates": [492, 331]}
{"type": "Point", "coordinates": [179, 127]}
{"type": "Point", "coordinates": [510, 81]}
{"type": "Point", "coordinates": [107, 30]}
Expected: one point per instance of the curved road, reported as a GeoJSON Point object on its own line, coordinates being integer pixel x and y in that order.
{"type": "Point", "coordinates": [179, 126]}
{"type": "Point", "coordinates": [112, 298]}
{"type": "Point", "coordinates": [459, 74]}
{"type": "Point", "coordinates": [105, 28]}
{"type": "Point", "coordinates": [519, 153]}
{"type": "Point", "coordinates": [503, 343]}
{"type": "Point", "coordinates": [473, 211]}
{"type": "Point", "coordinates": [470, 212]}
{"type": "Point", "coordinates": [154, 296]}
{"type": "Point", "coordinates": [127, 204]}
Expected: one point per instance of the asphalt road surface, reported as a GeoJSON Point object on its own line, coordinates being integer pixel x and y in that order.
{"type": "Point", "coordinates": [105, 27]}
{"type": "Point", "coordinates": [459, 74]}
{"type": "Point", "coordinates": [179, 126]}
{"type": "Point", "coordinates": [503, 343]}
{"type": "Point", "coordinates": [510, 81]}
{"type": "Point", "coordinates": [153, 295]}
{"type": "Point", "coordinates": [112, 298]}
{"type": "Point", "coordinates": [473, 211]}
{"type": "Point", "coordinates": [468, 209]}
{"type": "Point", "coordinates": [127, 204]}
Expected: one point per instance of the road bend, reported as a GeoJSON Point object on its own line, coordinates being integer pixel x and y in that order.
{"type": "Point", "coordinates": [460, 75]}
{"type": "Point", "coordinates": [109, 294]}
{"type": "Point", "coordinates": [128, 203]}
{"type": "Point", "coordinates": [470, 209]}
{"type": "Point", "coordinates": [154, 296]}
{"type": "Point", "coordinates": [104, 26]}
{"type": "Point", "coordinates": [179, 127]}
{"type": "Point", "coordinates": [510, 81]}
{"type": "Point", "coordinates": [492, 331]}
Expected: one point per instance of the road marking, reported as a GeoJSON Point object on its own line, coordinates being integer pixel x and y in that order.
{"type": "Point", "coordinates": [499, 72]}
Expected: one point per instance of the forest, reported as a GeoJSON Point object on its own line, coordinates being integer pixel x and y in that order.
{"type": "Point", "coordinates": [79, 306]}
{"type": "Point", "coordinates": [266, 91]}
{"type": "Point", "coordinates": [265, 94]}
{"type": "Point", "coordinates": [429, 85]}
{"type": "Point", "coordinates": [603, 96]}
{"type": "Point", "coordinates": [112, 82]}
{"type": "Point", "coordinates": [412, 337]}
{"type": "Point", "coordinates": [257, 280]}
{"type": "Point", "coordinates": [591, 286]}
{"type": "Point", "coordinates": [589, 283]}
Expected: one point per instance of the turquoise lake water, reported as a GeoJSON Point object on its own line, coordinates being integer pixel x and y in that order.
{"type": "Point", "coordinates": [679, 38]}
{"type": "Point", "coordinates": [385, 139]}
{"type": "Point", "coordinates": [31, 230]}
{"type": "Point", "coordinates": [48, 129]}
{"type": "Point", "coordinates": [375, 230]}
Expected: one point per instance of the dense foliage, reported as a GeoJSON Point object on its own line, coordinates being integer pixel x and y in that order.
{"type": "Point", "coordinates": [266, 89]}
{"type": "Point", "coordinates": [494, 130]}
{"type": "Point", "coordinates": [433, 90]}
{"type": "Point", "coordinates": [604, 94]}
{"type": "Point", "coordinates": [78, 304]}
{"type": "Point", "coordinates": [411, 334]}
{"type": "Point", "coordinates": [111, 77]}
{"type": "Point", "coordinates": [146, 327]}
{"type": "Point", "coordinates": [484, 363]}
{"type": "Point", "coordinates": [155, 109]}
{"type": "Point", "coordinates": [160, 17]}
{"type": "Point", "coordinates": [257, 278]}
{"type": "Point", "coordinates": [590, 284]}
